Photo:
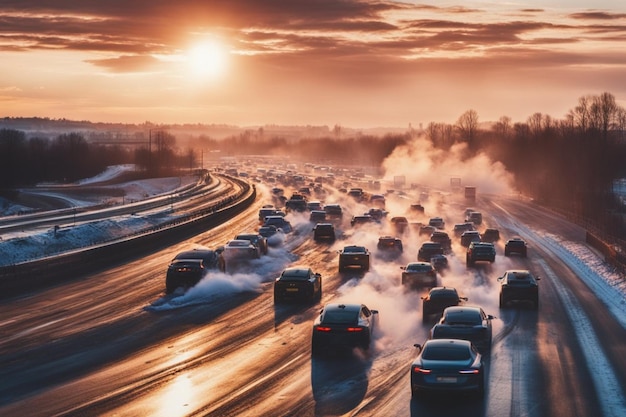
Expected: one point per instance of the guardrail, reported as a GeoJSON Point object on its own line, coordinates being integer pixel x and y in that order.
{"type": "Point", "coordinates": [49, 271]}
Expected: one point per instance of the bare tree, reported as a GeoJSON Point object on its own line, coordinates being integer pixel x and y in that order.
{"type": "Point", "coordinates": [467, 125]}
{"type": "Point", "coordinates": [502, 128]}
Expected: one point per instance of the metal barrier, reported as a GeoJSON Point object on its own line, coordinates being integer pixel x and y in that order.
{"type": "Point", "coordinates": [19, 278]}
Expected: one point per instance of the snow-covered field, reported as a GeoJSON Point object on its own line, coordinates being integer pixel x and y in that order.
{"type": "Point", "coordinates": [22, 246]}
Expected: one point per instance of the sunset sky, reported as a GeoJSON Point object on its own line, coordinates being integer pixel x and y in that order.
{"type": "Point", "coordinates": [354, 63]}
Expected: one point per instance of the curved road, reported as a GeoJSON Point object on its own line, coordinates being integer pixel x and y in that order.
{"type": "Point", "coordinates": [113, 344]}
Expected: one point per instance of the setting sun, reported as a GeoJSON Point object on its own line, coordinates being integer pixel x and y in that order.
{"type": "Point", "coordinates": [207, 59]}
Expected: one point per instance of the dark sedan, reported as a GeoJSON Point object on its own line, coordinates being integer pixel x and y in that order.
{"type": "Point", "coordinates": [438, 299]}
{"type": "Point", "coordinates": [520, 286]}
{"type": "Point", "coordinates": [516, 246]}
{"type": "Point", "coordinates": [189, 267]}
{"type": "Point", "coordinates": [428, 250]}
{"type": "Point", "coordinates": [297, 284]}
{"type": "Point", "coordinates": [354, 256]}
{"type": "Point", "coordinates": [467, 323]}
{"type": "Point", "coordinates": [343, 327]}
{"type": "Point", "coordinates": [419, 274]}
{"type": "Point", "coordinates": [447, 365]}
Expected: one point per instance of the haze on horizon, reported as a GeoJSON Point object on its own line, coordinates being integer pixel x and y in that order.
{"type": "Point", "coordinates": [353, 63]}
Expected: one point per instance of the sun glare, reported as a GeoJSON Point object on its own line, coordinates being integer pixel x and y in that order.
{"type": "Point", "coordinates": [207, 59]}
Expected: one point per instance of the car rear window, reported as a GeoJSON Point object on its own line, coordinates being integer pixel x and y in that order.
{"type": "Point", "coordinates": [419, 268]}
{"type": "Point", "coordinates": [447, 353]}
{"type": "Point", "coordinates": [470, 317]}
{"type": "Point", "coordinates": [354, 249]}
{"type": "Point", "coordinates": [340, 317]}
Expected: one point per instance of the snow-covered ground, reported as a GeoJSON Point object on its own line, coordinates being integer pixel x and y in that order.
{"type": "Point", "coordinates": [22, 246]}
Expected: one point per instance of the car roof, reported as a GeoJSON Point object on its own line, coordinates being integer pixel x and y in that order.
{"type": "Point", "coordinates": [441, 343]}
{"type": "Point", "coordinates": [483, 244]}
{"type": "Point", "coordinates": [300, 271]}
{"type": "Point", "coordinates": [246, 236]}
{"type": "Point", "coordinates": [343, 306]}
{"type": "Point", "coordinates": [195, 254]}
{"type": "Point", "coordinates": [519, 274]}
{"type": "Point", "coordinates": [354, 248]}
{"type": "Point", "coordinates": [238, 242]}
{"type": "Point", "coordinates": [443, 290]}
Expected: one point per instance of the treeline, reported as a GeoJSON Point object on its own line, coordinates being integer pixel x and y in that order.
{"type": "Point", "coordinates": [70, 157]}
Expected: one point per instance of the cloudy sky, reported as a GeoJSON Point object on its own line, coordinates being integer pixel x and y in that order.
{"type": "Point", "coordinates": [355, 63]}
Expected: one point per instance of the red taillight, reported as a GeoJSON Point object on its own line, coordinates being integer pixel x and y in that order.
{"type": "Point", "coordinates": [420, 370]}
{"type": "Point", "coordinates": [469, 371]}
{"type": "Point", "coordinates": [322, 329]}
{"type": "Point", "coordinates": [355, 329]}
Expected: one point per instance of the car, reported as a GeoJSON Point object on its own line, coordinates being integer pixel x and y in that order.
{"type": "Point", "coordinates": [467, 323]}
{"type": "Point", "coordinates": [361, 220]}
{"type": "Point", "coordinates": [480, 251]}
{"type": "Point", "coordinates": [256, 239]}
{"type": "Point", "coordinates": [189, 267]}
{"type": "Point", "coordinates": [296, 203]}
{"type": "Point", "coordinates": [438, 299]}
{"type": "Point", "coordinates": [314, 205]}
{"type": "Point", "coordinates": [417, 207]}
{"type": "Point", "coordinates": [279, 222]}
{"type": "Point", "coordinates": [378, 200]}
{"type": "Point", "coordinates": [266, 211]}
{"type": "Point", "coordinates": [333, 211]}
{"type": "Point", "coordinates": [437, 223]}
{"type": "Point", "coordinates": [447, 365]}
{"type": "Point", "coordinates": [439, 262]}
{"type": "Point", "coordinates": [356, 193]}
{"type": "Point", "coordinates": [516, 245]}
{"type": "Point", "coordinates": [343, 327]}
{"type": "Point", "coordinates": [354, 257]}
{"type": "Point", "coordinates": [324, 232]}
{"type": "Point", "coordinates": [376, 213]}
{"type": "Point", "coordinates": [459, 228]}
{"type": "Point", "coordinates": [389, 246]}
{"type": "Point", "coordinates": [428, 250]}
{"type": "Point", "coordinates": [439, 236]}
{"type": "Point", "coordinates": [298, 283]}
{"type": "Point", "coordinates": [490, 235]}
{"type": "Point", "coordinates": [475, 217]}
{"type": "Point", "coordinates": [316, 216]}
{"type": "Point", "coordinates": [518, 286]}
{"type": "Point", "coordinates": [237, 252]}
{"type": "Point", "coordinates": [469, 237]}
{"type": "Point", "coordinates": [399, 224]}
{"type": "Point", "coordinates": [268, 231]}
{"type": "Point", "coordinates": [426, 229]}
{"type": "Point", "coordinates": [419, 274]}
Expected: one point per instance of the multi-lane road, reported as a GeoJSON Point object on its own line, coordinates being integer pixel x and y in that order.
{"type": "Point", "coordinates": [111, 343]}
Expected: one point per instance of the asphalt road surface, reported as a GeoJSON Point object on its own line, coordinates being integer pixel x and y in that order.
{"type": "Point", "coordinates": [112, 343]}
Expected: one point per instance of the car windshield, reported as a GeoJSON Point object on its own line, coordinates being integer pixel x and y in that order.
{"type": "Point", "coordinates": [446, 353]}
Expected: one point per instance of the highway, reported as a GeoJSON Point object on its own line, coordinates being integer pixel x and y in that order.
{"type": "Point", "coordinates": [111, 343]}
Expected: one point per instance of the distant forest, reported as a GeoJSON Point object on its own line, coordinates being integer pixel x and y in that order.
{"type": "Point", "coordinates": [568, 164]}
